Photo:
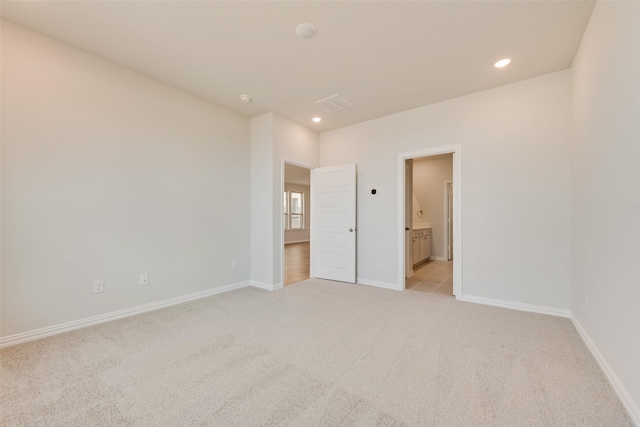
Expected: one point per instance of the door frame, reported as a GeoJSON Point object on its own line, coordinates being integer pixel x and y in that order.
{"type": "Point", "coordinates": [309, 166]}
{"type": "Point", "coordinates": [446, 216]}
{"type": "Point", "coordinates": [456, 150]}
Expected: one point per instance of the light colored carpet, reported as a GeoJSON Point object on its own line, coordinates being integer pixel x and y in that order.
{"type": "Point", "coordinates": [315, 353]}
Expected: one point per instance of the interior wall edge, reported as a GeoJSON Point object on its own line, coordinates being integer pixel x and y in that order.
{"type": "Point", "coordinates": [618, 387]}
{"type": "Point", "coordinates": [265, 286]}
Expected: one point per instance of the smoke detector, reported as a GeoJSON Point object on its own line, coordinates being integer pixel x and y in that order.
{"type": "Point", "coordinates": [306, 31]}
{"type": "Point", "coordinates": [245, 98]}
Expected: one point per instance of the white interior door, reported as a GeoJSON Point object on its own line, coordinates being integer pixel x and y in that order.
{"type": "Point", "coordinates": [334, 233]}
{"type": "Point", "coordinates": [449, 220]}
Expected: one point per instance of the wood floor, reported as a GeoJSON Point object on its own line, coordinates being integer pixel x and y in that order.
{"type": "Point", "coordinates": [296, 262]}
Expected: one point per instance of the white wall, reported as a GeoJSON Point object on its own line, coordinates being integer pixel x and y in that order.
{"type": "Point", "coordinates": [515, 194]}
{"type": "Point", "coordinates": [291, 236]}
{"type": "Point", "coordinates": [262, 204]}
{"type": "Point", "coordinates": [429, 177]}
{"type": "Point", "coordinates": [606, 189]}
{"type": "Point", "coordinates": [273, 138]}
{"type": "Point", "coordinates": [107, 174]}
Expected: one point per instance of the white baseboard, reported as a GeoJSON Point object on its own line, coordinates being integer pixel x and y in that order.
{"type": "Point", "coordinates": [552, 311]}
{"type": "Point", "coordinates": [296, 241]}
{"type": "Point", "coordinates": [261, 285]}
{"type": "Point", "coordinates": [377, 284]}
{"type": "Point", "coordinates": [621, 391]}
{"type": "Point", "coordinates": [438, 258]}
{"type": "Point", "coordinates": [267, 286]}
{"type": "Point", "coordinates": [94, 320]}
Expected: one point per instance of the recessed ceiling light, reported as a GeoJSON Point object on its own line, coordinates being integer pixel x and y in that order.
{"type": "Point", "coordinates": [317, 119]}
{"type": "Point", "coordinates": [502, 63]}
{"type": "Point", "coordinates": [306, 31]}
{"type": "Point", "coordinates": [245, 98]}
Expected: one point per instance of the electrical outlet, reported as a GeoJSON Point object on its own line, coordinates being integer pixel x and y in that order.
{"type": "Point", "coordinates": [234, 264]}
{"type": "Point", "coordinates": [379, 263]}
{"type": "Point", "coordinates": [98, 286]}
{"type": "Point", "coordinates": [144, 279]}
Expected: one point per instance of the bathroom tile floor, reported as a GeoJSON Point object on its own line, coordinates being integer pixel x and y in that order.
{"type": "Point", "coordinates": [432, 276]}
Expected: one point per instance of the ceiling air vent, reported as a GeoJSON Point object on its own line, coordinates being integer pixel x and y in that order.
{"type": "Point", "coordinates": [334, 104]}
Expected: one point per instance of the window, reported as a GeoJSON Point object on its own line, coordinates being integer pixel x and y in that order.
{"type": "Point", "coordinates": [297, 208]}
{"type": "Point", "coordinates": [293, 210]}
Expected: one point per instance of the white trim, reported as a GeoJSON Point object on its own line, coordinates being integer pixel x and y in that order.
{"type": "Point", "coordinates": [620, 390]}
{"type": "Point", "coordinates": [114, 315]}
{"type": "Point", "coordinates": [266, 286]}
{"type": "Point", "coordinates": [513, 305]}
{"type": "Point", "coordinates": [311, 226]}
{"type": "Point", "coordinates": [377, 284]}
{"type": "Point", "coordinates": [446, 217]}
{"type": "Point", "coordinates": [456, 150]}
{"type": "Point", "coordinates": [262, 285]}
{"type": "Point", "coordinates": [438, 258]}
{"type": "Point", "coordinates": [297, 241]}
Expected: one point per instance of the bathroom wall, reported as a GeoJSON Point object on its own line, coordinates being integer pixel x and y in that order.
{"type": "Point", "coordinates": [429, 177]}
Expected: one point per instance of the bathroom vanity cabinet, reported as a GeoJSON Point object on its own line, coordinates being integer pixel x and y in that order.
{"type": "Point", "coordinates": [421, 238]}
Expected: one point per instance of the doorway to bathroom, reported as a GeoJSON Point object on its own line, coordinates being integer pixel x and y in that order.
{"type": "Point", "coordinates": [431, 225]}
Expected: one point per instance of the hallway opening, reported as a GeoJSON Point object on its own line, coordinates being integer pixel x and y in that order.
{"type": "Point", "coordinates": [296, 212]}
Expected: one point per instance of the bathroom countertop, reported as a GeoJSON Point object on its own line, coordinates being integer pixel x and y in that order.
{"type": "Point", "coordinates": [421, 226]}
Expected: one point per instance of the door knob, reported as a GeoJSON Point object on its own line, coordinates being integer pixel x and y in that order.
{"type": "Point", "coordinates": [351, 229]}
